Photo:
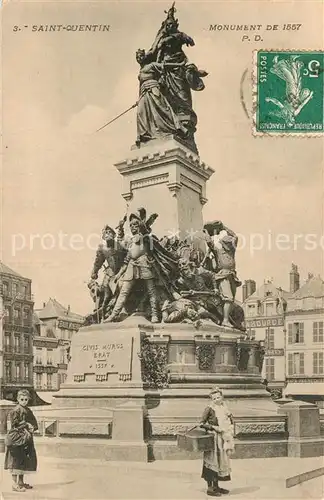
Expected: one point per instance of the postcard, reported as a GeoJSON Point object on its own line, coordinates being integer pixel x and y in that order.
{"type": "Point", "coordinates": [162, 290]}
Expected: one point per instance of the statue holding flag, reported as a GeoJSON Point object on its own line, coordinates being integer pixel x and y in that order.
{"type": "Point", "coordinates": [179, 77]}
{"type": "Point", "coordinates": [166, 79]}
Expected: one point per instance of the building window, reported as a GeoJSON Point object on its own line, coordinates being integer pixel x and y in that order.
{"type": "Point", "coordinates": [318, 331]}
{"type": "Point", "coordinates": [62, 355]}
{"type": "Point", "coordinates": [5, 288]}
{"type": "Point", "coordinates": [26, 314]}
{"type": "Point", "coordinates": [38, 380]}
{"type": "Point", "coordinates": [16, 315]}
{"type": "Point", "coordinates": [38, 357]}
{"type": "Point", "coordinates": [8, 371]}
{"type": "Point", "coordinates": [26, 343]}
{"type": "Point", "coordinates": [270, 369]}
{"type": "Point", "coordinates": [270, 309]}
{"type": "Point", "coordinates": [24, 291]}
{"type": "Point", "coordinates": [318, 363]}
{"type": "Point", "coordinates": [296, 363]}
{"type": "Point", "coordinates": [17, 344]}
{"type": "Point", "coordinates": [50, 332]}
{"type": "Point", "coordinates": [26, 369]}
{"type": "Point", "coordinates": [14, 289]}
{"type": "Point", "coordinates": [251, 310]}
{"type": "Point", "coordinates": [270, 340]}
{"type": "Point", "coordinates": [7, 343]}
{"type": "Point", "coordinates": [64, 334]}
{"type": "Point", "coordinates": [17, 371]}
{"type": "Point", "coordinates": [49, 381]}
{"type": "Point", "coordinates": [7, 314]}
{"type": "Point", "coordinates": [295, 333]}
{"type": "Point", "coordinates": [251, 333]}
{"type": "Point", "coordinates": [49, 356]}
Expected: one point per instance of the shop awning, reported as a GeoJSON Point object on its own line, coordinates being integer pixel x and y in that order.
{"type": "Point", "coordinates": [304, 389]}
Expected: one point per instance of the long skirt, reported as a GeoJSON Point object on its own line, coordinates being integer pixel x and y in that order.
{"type": "Point", "coordinates": [155, 117]}
{"type": "Point", "coordinates": [216, 463]}
{"type": "Point", "coordinates": [21, 459]}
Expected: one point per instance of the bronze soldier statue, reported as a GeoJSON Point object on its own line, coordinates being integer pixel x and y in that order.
{"type": "Point", "coordinates": [138, 265]}
{"type": "Point", "coordinates": [222, 243]}
{"type": "Point", "coordinates": [202, 287]}
{"type": "Point", "coordinates": [111, 254]}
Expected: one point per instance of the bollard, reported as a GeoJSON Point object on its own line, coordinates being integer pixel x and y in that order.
{"type": "Point", "coordinates": [127, 440]}
{"type": "Point", "coordinates": [5, 407]}
{"type": "Point", "coordinates": [303, 425]}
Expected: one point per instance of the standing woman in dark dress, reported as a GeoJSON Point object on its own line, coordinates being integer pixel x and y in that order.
{"type": "Point", "coordinates": [21, 456]}
{"type": "Point", "coordinates": [216, 466]}
{"type": "Point", "coordinates": [155, 117]}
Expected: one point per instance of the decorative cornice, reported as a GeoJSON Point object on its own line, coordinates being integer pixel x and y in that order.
{"type": "Point", "coordinates": [168, 429]}
{"type": "Point", "coordinates": [259, 428]}
{"type": "Point", "coordinates": [207, 339]}
{"type": "Point", "coordinates": [174, 187]}
{"type": "Point", "coordinates": [149, 181]}
{"type": "Point", "coordinates": [176, 153]}
{"type": "Point", "coordinates": [127, 196]}
{"type": "Point", "coordinates": [158, 338]}
{"type": "Point", "coordinates": [298, 312]}
{"type": "Point", "coordinates": [190, 184]}
{"type": "Point", "coordinates": [174, 428]}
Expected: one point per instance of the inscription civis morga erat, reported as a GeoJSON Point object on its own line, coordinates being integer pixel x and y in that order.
{"type": "Point", "coordinates": [104, 358]}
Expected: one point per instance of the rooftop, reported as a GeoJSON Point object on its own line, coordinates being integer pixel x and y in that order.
{"type": "Point", "coordinates": [4, 269]}
{"type": "Point", "coordinates": [53, 309]}
{"type": "Point", "coordinates": [314, 287]}
{"type": "Point", "coordinates": [266, 291]}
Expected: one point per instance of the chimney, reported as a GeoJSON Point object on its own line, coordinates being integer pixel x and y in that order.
{"type": "Point", "coordinates": [310, 276]}
{"type": "Point", "coordinates": [248, 288]}
{"type": "Point", "coordinates": [44, 304]}
{"type": "Point", "coordinates": [294, 279]}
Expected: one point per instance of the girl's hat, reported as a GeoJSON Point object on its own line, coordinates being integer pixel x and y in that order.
{"type": "Point", "coordinates": [215, 390]}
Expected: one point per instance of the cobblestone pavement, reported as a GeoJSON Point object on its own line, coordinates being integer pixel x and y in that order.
{"type": "Point", "coordinates": [79, 479]}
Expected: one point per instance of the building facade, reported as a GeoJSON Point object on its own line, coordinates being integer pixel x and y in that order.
{"type": "Point", "coordinates": [16, 330]}
{"type": "Point", "coordinates": [305, 342]}
{"type": "Point", "coordinates": [54, 326]}
{"type": "Point", "coordinates": [264, 311]}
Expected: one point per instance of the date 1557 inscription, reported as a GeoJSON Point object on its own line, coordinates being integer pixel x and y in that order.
{"type": "Point", "coordinates": [100, 358]}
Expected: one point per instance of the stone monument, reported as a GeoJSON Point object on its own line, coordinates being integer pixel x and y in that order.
{"type": "Point", "coordinates": [165, 325]}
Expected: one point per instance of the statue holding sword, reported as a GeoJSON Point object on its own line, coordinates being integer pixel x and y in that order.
{"type": "Point", "coordinates": [166, 79]}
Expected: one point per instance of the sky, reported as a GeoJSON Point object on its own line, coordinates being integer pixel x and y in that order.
{"type": "Point", "coordinates": [58, 175]}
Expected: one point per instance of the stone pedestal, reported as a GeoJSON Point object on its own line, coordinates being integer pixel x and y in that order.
{"type": "Point", "coordinates": [155, 383]}
{"type": "Point", "coordinates": [168, 178]}
{"type": "Point", "coordinates": [105, 368]}
{"type": "Point", "coordinates": [111, 366]}
{"type": "Point", "coordinates": [303, 425]}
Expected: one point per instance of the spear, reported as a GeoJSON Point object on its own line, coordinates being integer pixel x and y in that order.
{"type": "Point", "coordinates": [116, 117]}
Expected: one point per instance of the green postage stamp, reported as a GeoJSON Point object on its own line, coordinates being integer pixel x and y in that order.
{"type": "Point", "coordinates": [288, 92]}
